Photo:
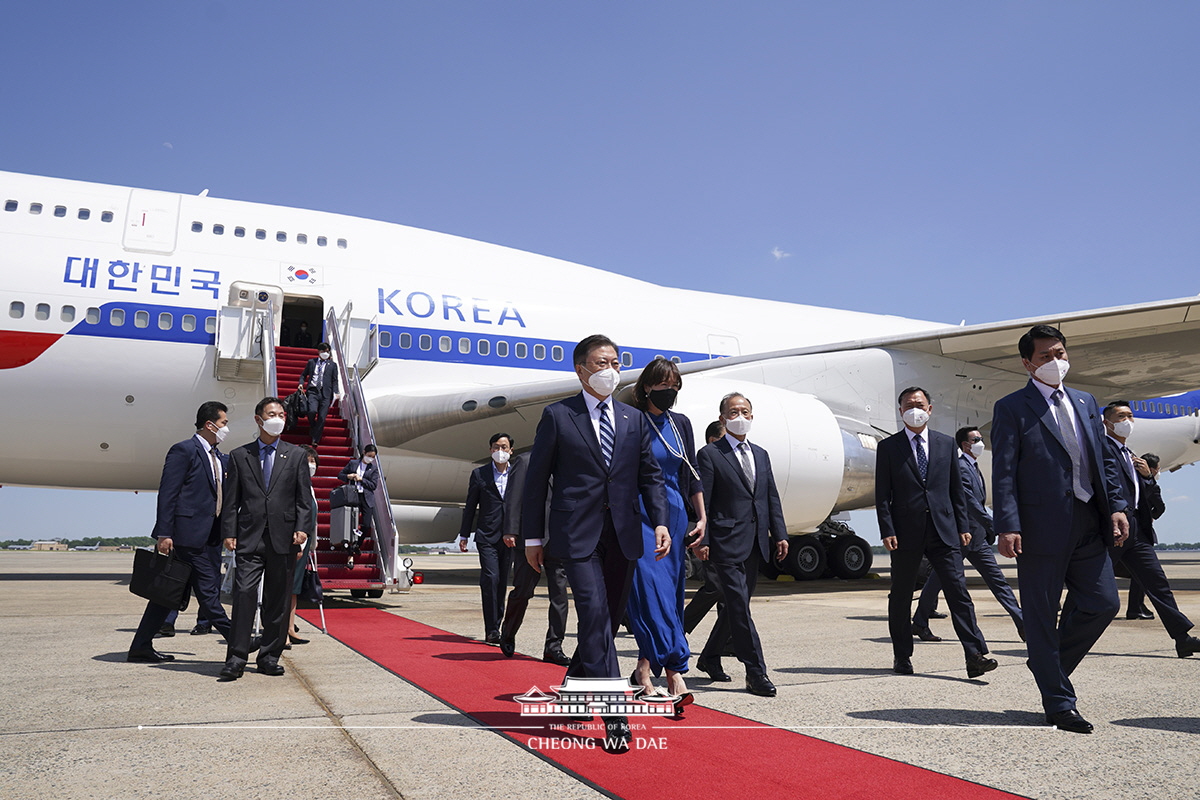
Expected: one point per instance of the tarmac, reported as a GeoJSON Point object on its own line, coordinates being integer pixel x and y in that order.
{"type": "Point", "coordinates": [77, 721]}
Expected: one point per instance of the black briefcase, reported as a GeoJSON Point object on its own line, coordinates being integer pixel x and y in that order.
{"type": "Point", "coordinates": [161, 579]}
{"type": "Point", "coordinates": [342, 496]}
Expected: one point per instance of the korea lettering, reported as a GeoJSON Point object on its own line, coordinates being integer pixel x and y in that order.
{"type": "Point", "coordinates": [424, 305]}
{"type": "Point", "coordinates": [122, 276]}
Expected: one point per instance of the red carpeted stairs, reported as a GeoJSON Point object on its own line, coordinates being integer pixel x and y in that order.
{"type": "Point", "coordinates": [335, 450]}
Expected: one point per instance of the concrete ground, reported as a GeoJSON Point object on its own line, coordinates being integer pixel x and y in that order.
{"type": "Point", "coordinates": [77, 721]}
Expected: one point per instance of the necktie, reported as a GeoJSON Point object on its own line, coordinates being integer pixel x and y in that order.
{"type": "Point", "coordinates": [922, 459]}
{"type": "Point", "coordinates": [268, 459]}
{"type": "Point", "coordinates": [747, 461]}
{"type": "Point", "coordinates": [1133, 481]}
{"type": "Point", "coordinates": [216, 464]}
{"type": "Point", "coordinates": [607, 436]}
{"type": "Point", "coordinates": [1080, 481]}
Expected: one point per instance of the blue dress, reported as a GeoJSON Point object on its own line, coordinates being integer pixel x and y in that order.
{"type": "Point", "coordinates": [656, 596]}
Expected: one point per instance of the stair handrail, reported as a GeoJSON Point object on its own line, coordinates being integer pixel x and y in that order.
{"type": "Point", "coordinates": [354, 411]}
{"type": "Point", "coordinates": [266, 332]}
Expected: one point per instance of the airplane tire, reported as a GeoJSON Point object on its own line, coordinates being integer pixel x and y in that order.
{"type": "Point", "coordinates": [375, 593]}
{"type": "Point", "coordinates": [805, 559]}
{"type": "Point", "coordinates": [358, 593]}
{"type": "Point", "coordinates": [850, 557]}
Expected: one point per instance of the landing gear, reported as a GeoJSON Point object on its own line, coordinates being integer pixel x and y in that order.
{"type": "Point", "coordinates": [832, 551]}
{"type": "Point", "coordinates": [805, 560]}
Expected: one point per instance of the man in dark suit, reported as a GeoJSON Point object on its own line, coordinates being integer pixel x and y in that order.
{"type": "Point", "coordinates": [362, 474]}
{"type": "Point", "coordinates": [266, 518]}
{"type": "Point", "coordinates": [1058, 508]}
{"type": "Point", "coordinates": [979, 551]}
{"type": "Point", "coordinates": [745, 516]}
{"type": "Point", "coordinates": [598, 454]}
{"type": "Point", "coordinates": [1148, 510]}
{"type": "Point", "coordinates": [319, 382]}
{"type": "Point", "coordinates": [525, 578]}
{"type": "Point", "coordinates": [922, 513]}
{"type": "Point", "coordinates": [190, 494]}
{"type": "Point", "coordinates": [1137, 554]}
{"type": "Point", "coordinates": [484, 515]}
{"type": "Point", "coordinates": [708, 595]}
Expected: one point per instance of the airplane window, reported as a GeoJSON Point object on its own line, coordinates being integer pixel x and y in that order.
{"type": "Point", "coordinates": [280, 236]}
{"type": "Point", "coordinates": [539, 352]}
{"type": "Point", "coordinates": [483, 347]}
{"type": "Point", "coordinates": [464, 345]}
{"type": "Point", "coordinates": [260, 234]}
{"type": "Point", "coordinates": [405, 341]}
{"type": "Point", "coordinates": [93, 316]}
{"type": "Point", "coordinates": [165, 321]}
{"type": "Point", "coordinates": [42, 311]}
{"type": "Point", "coordinates": [502, 349]}
{"type": "Point", "coordinates": [141, 319]}
{"type": "Point", "coordinates": [444, 344]}
{"type": "Point", "coordinates": [556, 353]}
{"type": "Point", "coordinates": [385, 339]}
{"type": "Point", "coordinates": [116, 317]}
{"type": "Point", "coordinates": [197, 227]}
{"type": "Point", "coordinates": [426, 341]}
{"type": "Point", "coordinates": [676, 360]}
{"type": "Point", "coordinates": [218, 229]}
{"type": "Point", "coordinates": [106, 216]}
{"type": "Point", "coordinates": [520, 350]}
{"type": "Point", "coordinates": [210, 324]}
{"type": "Point", "coordinates": [341, 244]}
{"type": "Point", "coordinates": [60, 211]}
{"type": "Point", "coordinates": [188, 323]}
{"type": "Point", "coordinates": [1174, 409]}
{"type": "Point", "coordinates": [35, 208]}
{"type": "Point", "coordinates": [10, 205]}
{"type": "Point", "coordinates": [16, 309]}
{"type": "Point", "coordinates": [85, 213]}
{"type": "Point", "coordinates": [67, 314]}
{"type": "Point", "coordinates": [301, 238]}
{"type": "Point", "coordinates": [322, 241]}
{"type": "Point", "coordinates": [239, 232]}
{"type": "Point", "coordinates": [627, 359]}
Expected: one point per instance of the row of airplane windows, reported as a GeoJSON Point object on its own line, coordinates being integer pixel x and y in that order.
{"type": "Point", "coordinates": [116, 317]}
{"type": "Point", "coordinates": [59, 211]}
{"type": "Point", "coordinates": [1163, 408]}
{"type": "Point", "coordinates": [280, 236]}
{"type": "Point", "coordinates": [484, 347]}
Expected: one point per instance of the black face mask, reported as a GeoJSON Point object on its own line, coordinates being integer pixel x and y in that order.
{"type": "Point", "coordinates": [663, 398]}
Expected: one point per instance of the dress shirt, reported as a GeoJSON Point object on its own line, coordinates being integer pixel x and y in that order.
{"type": "Point", "coordinates": [912, 441]}
{"type": "Point", "coordinates": [593, 407]}
{"type": "Point", "coordinates": [1047, 391]}
{"type": "Point", "coordinates": [501, 479]}
{"type": "Point", "coordinates": [208, 448]}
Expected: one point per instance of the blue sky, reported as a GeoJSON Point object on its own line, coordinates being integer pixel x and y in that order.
{"type": "Point", "coordinates": [937, 160]}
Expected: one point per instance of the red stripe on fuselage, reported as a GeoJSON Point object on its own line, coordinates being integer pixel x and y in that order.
{"type": "Point", "coordinates": [18, 348]}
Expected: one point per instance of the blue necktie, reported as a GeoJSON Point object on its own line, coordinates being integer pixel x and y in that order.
{"type": "Point", "coordinates": [607, 437]}
{"type": "Point", "coordinates": [268, 452]}
{"type": "Point", "coordinates": [922, 459]}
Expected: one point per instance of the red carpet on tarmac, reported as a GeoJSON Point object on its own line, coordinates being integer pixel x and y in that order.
{"type": "Point", "coordinates": [706, 754]}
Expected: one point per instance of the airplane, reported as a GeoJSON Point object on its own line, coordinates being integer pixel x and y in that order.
{"type": "Point", "coordinates": [124, 308]}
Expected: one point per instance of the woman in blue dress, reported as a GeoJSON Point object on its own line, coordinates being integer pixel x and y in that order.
{"type": "Point", "coordinates": [656, 595]}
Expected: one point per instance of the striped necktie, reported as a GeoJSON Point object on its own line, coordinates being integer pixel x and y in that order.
{"type": "Point", "coordinates": [747, 461]}
{"type": "Point", "coordinates": [922, 459]}
{"type": "Point", "coordinates": [216, 464]}
{"type": "Point", "coordinates": [607, 436]}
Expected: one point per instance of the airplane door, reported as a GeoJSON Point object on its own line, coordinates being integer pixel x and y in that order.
{"type": "Point", "coordinates": [152, 221]}
{"type": "Point", "coordinates": [723, 346]}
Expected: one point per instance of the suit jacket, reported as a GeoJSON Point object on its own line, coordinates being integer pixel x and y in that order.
{"type": "Point", "coordinates": [740, 516]}
{"type": "Point", "coordinates": [329, 379]}
{"type": "Point", "coordinates": [187, 496]}
{"type": "Point", "coordinates": [1031, 470]}
{"type": "Point", "coordinates": [1150, 508]}
{"type": "Point", "coordinates": [483, 497]}
{"type": "Point", "coordinates": [975, 495]}
{"type": "Point", "coordinates": [585, 491]}
{"type": "Point", "coordinates": [904, 503]}
{"type": "Point", "coordinates": [370, 478]}
{"type": "Point", "coordinates": [263, 518]}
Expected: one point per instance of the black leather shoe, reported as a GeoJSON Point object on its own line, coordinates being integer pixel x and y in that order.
{"type": "Point", "coordinates": [493, 637]}
{"type": "Point", "coordinates": [149, 656]}
{"type": "Point", "coordinates": [507, 646]}
{"type": "Point", "coordinates": [935, 614]}
{"type": "Point", "coordinates": [760, 685]}
{"type": "Point", "coordinates": [270, 668]}
{"type": "Point", "coordinates": [1186, 646]}
{"type": "Point", "coordinates": [296, 639]}
{"type": "Point", "coordinates": [925, 635]}
{"type": "Point", "coordinates": [713, 670]}
{"type": "Point", "coordinates": [1069, 720]}
{"type": "Point", "coordinates": [902, 666]}
{"type": "Point", "coordinates": [166, 631]}
{"type": "Point", "coordinates": [1143, 614]}
{"type": "Point", "coordinates": [200, 630]}
{"type": "Point", "coordinates": [617, 735]}
{"type": "Point", "coordinates": [978, 663]}
{"type": "Point", "coordinates": [231, 672]}
{"type": "Point", "coordinates": [554, 657]}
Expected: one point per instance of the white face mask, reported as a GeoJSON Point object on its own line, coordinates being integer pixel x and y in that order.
{"type": "Point", "coordinates": [312, 469]}
{"type": "Point", "coordinates": [739, 425]}
{"type": "Point", "coordinates": [915, 417]}
{"type": "Point", "coordinates": [605, 381]}
{"type": "Point", "coordinates": [1052, 372]}
{"type": "Point", "coordinates": [274, 426]}
{"type": "Point", "coordinates": [977, 449]}
{"type": "Point", "coordinates": [368, 459]}
{"type": "Point", "coordinates": [501, 456]}
{"type": "Point", "coordinates": [221, 433]}
{"type": "Point", "coordinates": [325, 356]}
{"type": "Point", "coordinates": [1123, 428]}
